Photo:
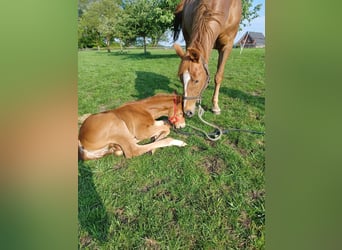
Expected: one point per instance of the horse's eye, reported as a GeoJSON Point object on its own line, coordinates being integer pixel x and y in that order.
{"type": "Point", "coordinates": [196, 81]}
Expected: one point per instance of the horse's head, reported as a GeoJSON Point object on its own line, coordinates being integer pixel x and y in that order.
{"type": "Point", "coordinates": [176, 115]}
{"type": "Point", "coordinates": [193, 73]}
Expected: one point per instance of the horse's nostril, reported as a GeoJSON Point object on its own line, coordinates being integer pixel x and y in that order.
{"type": "Point", "coordinates": [189, 113]}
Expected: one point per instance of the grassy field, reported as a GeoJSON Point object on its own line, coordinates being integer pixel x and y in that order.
{"type": "Point", "coordinates": [207, 195]}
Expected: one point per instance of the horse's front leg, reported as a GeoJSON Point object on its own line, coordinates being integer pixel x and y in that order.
{"type": "Point", "coordinates": [222, 59]}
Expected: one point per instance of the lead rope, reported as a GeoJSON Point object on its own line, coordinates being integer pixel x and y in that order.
{"type": "Point", "coordinates": [217, 136]}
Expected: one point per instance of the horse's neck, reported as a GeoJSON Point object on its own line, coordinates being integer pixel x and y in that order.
{"type": "Point", "coordinates": [204, 48]}
{"type": "Point", "coordinates": [204, 40]}
{"type": "Point", "coordinates": [159, 105]}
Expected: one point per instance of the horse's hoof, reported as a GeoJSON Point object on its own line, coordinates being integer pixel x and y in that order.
{"type": "Point", "coordinates": [216, 111]}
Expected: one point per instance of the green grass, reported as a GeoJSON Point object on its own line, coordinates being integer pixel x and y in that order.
{"type": "Point", "coordinates": [207, 195]}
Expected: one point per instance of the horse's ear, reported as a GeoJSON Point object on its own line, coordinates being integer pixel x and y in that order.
{"type": "Point", "coordinates": [179, 50]}
{"type": "Point", "coordinates": [194, 54]}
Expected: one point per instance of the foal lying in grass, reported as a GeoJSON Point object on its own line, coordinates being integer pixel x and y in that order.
{"type": "Point", "coordinates": [120, 130]}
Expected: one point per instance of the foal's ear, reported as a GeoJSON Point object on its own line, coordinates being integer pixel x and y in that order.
{"type": "Point", "coordinates": [194, 54]}
{"type": "Point", "coordinates": [179, 50]}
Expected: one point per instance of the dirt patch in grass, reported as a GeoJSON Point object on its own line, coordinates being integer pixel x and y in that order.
{"type": "Point", "coordinates": [122, 216]}
{"type": "Point", "coordinates": [85, 241]}
{"type": "Point", "coordinates": [151, 244]}
{"type": "Point", "coordinates": [121, 164]}
{"type": "Point", "coordinates": [165, 194]}
{"type": "Point", "coordinates": [197, 148]}
{"type": "Point", "coordinates": [103, 108]}
{"type": "Point", "coordinates": [244, 220]}
{"type": "Point", "coordinates": [235, 145]}
{"type": "Point", "coordinates": [148, 187]}
{"type": "Point", "coordinates": [257, 194]}
{"type": "Point", "coordinates": [213, 165]}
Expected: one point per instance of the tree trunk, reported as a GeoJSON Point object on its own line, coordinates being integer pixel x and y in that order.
{"type": "Point", "coordinates": [108, 44]}
{"type": "Point", "coordinates": [144, 45]}
{"type": "Point", "coordinates": [98, 42]}
{"type": "Point", "coordinates": [121, 47]}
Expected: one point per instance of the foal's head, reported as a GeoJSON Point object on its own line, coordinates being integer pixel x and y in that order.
{"type": "Point", "coordinates": [176, 115]}
{"type": "Point", "coordinates": [193, 73]}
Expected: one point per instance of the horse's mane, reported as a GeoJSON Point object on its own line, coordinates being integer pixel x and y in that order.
{"type": "Point", "coordinates": [201, 20]}
{"type": "Point", "coordinates": [202, 33]}
{"type": "Point", "coordinates": [177, 21]}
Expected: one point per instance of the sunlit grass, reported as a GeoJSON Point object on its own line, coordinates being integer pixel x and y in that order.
{"type": "Point", "coordinates": [207, 195]}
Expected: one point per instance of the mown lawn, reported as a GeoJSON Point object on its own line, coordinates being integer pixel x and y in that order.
{"type": "Point", "coordinates": [207, 195]}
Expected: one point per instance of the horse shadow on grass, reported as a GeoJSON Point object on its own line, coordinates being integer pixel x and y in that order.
{"type": "Point", "coordinates": [148, 84]}
{"type": "Point", "coordinates": [92, 215]}
{"type": "Point", "coordinates": [255, 100]}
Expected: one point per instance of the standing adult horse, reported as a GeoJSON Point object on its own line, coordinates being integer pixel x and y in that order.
{"type": "Point", "coordinates": [206, 24]}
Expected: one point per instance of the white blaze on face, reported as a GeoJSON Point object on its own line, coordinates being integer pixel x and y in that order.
{"type": "Point", "coordinates": [186, 80]}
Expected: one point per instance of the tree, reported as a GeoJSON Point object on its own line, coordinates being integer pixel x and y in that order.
{"type": "Point", "coordinates": [150, 18]}
{"type": "Point", "coordinates": [249, 12]}
{"type": "Point", "coordinates": [83, 6]}
{"type": "Point", "coordinates": [163, 18]}
{"type": "Point", "coordinates": [139, 18]}
{"type": "Point", "coordinates": [100, 19]}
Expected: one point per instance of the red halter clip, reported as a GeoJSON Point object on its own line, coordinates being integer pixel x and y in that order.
{"type": "Point", "coordinates": [174, 119]}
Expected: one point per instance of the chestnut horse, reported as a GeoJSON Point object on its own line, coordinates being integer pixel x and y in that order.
{"type": "Point", "coordinates": [206, 24]}
{"type": "Point", "coordinates": [120, 130]}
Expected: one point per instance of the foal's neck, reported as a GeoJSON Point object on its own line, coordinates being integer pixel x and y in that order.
{"type": "Point", "coordinates": [159, 105]}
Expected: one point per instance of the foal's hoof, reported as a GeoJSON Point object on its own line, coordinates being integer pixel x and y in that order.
{"type": "Point", "coordinates": [118, 152]}
{"type": "Point", "coordinates": [179, 143]}
{"type": "Point", "coordinates": [216, 111]}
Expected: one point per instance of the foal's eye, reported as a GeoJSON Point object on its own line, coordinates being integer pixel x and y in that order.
{"type": "Point", "coordinates": [196, 81]}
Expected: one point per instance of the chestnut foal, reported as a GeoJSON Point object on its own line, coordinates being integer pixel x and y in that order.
{"type": "Point", "coordinates": [120, 130]}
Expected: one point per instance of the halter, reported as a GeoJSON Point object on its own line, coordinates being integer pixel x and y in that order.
{"type": "Point", "coordinates": [174, 119]}
{"type": "Point", "coordinates": [199, 97]}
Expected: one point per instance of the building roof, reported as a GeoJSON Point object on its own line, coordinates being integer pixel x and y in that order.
{"type": "Point", "coordinates": [258, 37]}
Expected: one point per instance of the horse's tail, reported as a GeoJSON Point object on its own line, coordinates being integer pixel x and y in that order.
{"type": "Point", "coordinates": [177, 21]}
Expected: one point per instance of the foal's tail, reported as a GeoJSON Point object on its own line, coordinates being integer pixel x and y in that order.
{"type": "Point", "coordinates": [177, 21]}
